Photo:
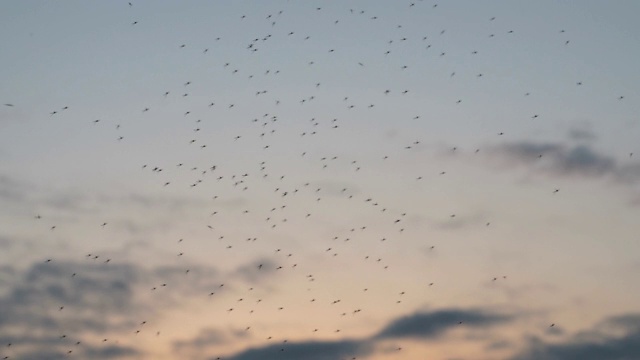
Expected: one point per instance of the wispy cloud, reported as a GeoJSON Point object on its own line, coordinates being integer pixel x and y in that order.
{"type": "Point", "coordinates": [74, 200]}
{"type": "Point", "coordinates": [561, 160]}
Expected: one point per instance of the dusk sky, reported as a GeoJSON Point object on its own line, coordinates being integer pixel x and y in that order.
{"type": "Point", "coordinates": [279, 180]}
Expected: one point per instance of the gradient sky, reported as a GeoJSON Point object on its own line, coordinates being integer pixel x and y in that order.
{"type": "Point", "coordinates": [319, 180]}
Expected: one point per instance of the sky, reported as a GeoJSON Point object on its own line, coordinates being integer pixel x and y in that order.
{"type": "Point", "coordinates": [317, 180]}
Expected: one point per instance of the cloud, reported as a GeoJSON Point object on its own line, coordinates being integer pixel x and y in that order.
{"type": "Point", "coordinates": [74, 205]}
{"type": "Point", "coordinates": [628, 322]}
{"type": "Point", "coordinates": [19, 191]}
{"type": "Point", "coordinates": [74, 201]}
{"type": "Point", "coordinates": [101, 297]}
{"type": "Point", "coordinates": [86, 352]}
{"type": "Point", "coordinates": [110, 352]}
{"type": "Point", "coordinates": [434, 324]}
{"type": "Point", "coordinates": [46, 308]}
{"type": "Point", "coordinates": [7, 274]}
{"type": "Point", "coordinates": [615, 338]}
{"type": "Point", "coordinates": [308, 350]}
{"type": "Point", "coordinates": [109, 300]}
{"type": "Point", "coordinates": [561, 160]}
{"type": "Point", "coordinates": [44, 354]}
{"type": "Point", "coordinates": [418, 326]}
{"type": "Point", "coordinates": [49, 306]}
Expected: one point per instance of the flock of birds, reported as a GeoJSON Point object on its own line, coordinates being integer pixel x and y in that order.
{"type": "Point", "coordinates": [289, 201]}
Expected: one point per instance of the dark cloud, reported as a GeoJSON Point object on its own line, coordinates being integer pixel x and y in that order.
{"type": "Point", "coordinates": [26, 339]}
{"type": "Point", "coordinates": [562, 160]}
{"type": "Point", "coordinates": [91, 299]}
{"type": "Point", "coordinates": [527, 151]}
{"type": "Point", "coordinates": [628, 322]}
{"type": "Point", "coordinates": [434, 324]}
{"type": "Point", "coordinates": [96, 291]}
{"type": "Point", "coordinates": [308, 350]}
{"type": "Point", "coordinates": [86, 300]}
{"type": "Point", "coordinates": [46, 309]}
{"type": "Point", "coordinates": [582, 160]}
{"type": "Point", "coordinates": [50, 354]}
{"type": "Point", "coordinates": [110, 352]}
{"type": "Point", "coordinates": [616, 338]}
{"type": "Point", "coordinates": [84, 352]}
{"type": "Point", "coordinates": [109, 300]}
{"type": "Point", "coordinates": [419, 326]}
